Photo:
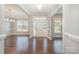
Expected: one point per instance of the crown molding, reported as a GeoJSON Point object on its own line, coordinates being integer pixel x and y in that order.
{"type": "Point", "coordinates": [24, 9]}
{"type": "Point", "coordinates": [53, 12]}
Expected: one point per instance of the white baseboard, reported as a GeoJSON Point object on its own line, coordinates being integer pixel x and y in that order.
{"type": "Point", "coordinates": [73, 37]}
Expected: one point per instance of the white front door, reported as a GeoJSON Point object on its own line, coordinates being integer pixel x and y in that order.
{"type": "Point", "coordinates": [40, 26]}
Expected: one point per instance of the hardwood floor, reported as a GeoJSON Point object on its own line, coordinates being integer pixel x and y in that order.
{"type": "Point", "coordinates": [18, 44]}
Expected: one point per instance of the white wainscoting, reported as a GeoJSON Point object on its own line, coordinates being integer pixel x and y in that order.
{"type": "Point", "coordinates": [2, 37]}
{"type": "Point", "coordinates": [71, 43]}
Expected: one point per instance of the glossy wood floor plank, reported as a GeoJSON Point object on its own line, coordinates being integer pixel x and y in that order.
{"type": "Point", "coordinates": [21, 44]}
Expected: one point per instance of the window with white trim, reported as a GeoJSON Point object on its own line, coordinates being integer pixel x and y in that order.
{"type": "Point", "coordinates": [22, 25]}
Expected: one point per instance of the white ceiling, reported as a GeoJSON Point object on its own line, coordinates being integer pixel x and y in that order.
{"type": "Point", "coordinates": [14, 11]}
{"type": "Point", "coordinates": [46, 10]}
{"type": "Point", "coordinates": [17, 11]}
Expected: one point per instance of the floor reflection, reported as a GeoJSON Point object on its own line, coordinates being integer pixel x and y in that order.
{"type": "Point", "coordinates": [58, 46]}
{"type": "Point", "coordinates": [34, 45]}
{"type": "Point", "coordinates": [39, 45]}
{"type": "Point", "coordinates": [45, 45]}
{"type": "Point", "coordinates": [21, 43]}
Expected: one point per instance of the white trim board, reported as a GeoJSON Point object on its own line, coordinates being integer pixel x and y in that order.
{"type": "Point", "coordinates": [72, 36]}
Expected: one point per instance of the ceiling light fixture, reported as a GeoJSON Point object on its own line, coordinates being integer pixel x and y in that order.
{"type": "Point", "coordinates": [9, 18]}
{"type": "Point", "coordinates": [39, 6]}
